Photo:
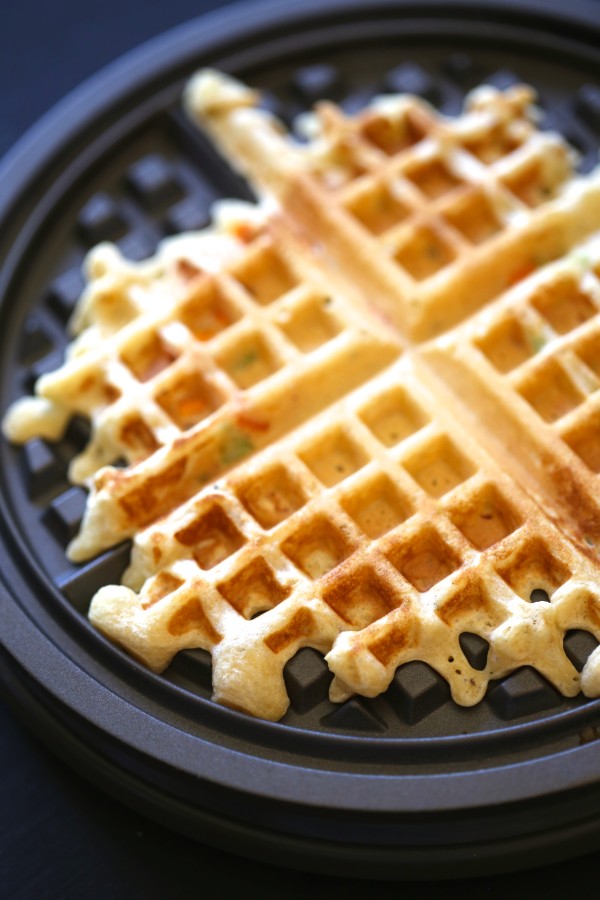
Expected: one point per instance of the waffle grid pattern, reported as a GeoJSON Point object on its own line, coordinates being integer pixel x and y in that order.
{"type": "Point", "coordinates": [434, 207]}
{"type": "Point", "coordinates": [358, 198]}
{"type": "Point", "coordinates": [534, 355]}
{"type": "Point", "coordinates": [546, 348]}
{"type": "Point", "coordinates": [416, 528]}
{"type": "Point", "coordinates": [430, 190]}
{"type": "Point", "coordinates": [164, 373]}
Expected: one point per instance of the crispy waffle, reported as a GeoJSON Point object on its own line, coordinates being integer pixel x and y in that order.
{"type": "Point", "coordinates": [432, 216]}
{"type": "Point", "coordinates": [358, 416]}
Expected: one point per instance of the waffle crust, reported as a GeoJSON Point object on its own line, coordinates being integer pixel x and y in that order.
{"type": "Point", "coordinates": [360, 415]}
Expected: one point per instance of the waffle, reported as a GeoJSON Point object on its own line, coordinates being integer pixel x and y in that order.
{"type": "Point", "coordinates": [432, 216]}
{"type": "Point", "coordinates": [131, 323]}
{"type": "Point", "coordinates": [360, 415]}
{"type": "Point", "coordinates": [196, 368]}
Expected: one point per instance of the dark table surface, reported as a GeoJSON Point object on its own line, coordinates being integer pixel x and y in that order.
{"type": "Point", "coordinates": [60, 837]}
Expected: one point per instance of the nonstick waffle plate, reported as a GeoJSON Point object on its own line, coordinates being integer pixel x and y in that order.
{"type": "Point", "coordinates": [405, 786]}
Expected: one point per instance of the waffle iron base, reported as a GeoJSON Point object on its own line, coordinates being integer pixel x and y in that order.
{"type": "Point", "coordinates": [406, 786]}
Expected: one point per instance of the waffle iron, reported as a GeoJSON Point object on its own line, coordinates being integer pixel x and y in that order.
{"type": "Point", "coordinates": [406, 786]}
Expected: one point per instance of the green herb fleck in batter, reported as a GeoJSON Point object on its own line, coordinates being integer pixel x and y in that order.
{"type": "Point", "coordinates": [235, 445]}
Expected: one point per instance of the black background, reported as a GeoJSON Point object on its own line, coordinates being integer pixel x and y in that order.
{"type": "Point", "coordinates": [59, 836]}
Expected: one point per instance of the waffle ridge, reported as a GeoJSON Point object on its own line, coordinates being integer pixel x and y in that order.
{"type": "Point", "coordinates": [360, 415]}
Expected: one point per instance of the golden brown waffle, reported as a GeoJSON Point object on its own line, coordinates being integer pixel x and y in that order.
{"type": "Point", "coordinates": [365, 409]}
{"type": "Point", "coordinates": [198, 368]}
{"type": "Point", "coordinates": [530, 366]}
{"type": "Point", "coordinates": [432, 216]}
{"type": "Point", "coordinates": [378, 533]}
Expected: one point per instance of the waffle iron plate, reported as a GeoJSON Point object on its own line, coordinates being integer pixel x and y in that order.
{"type": "Point", "coordinates": [405, 786]}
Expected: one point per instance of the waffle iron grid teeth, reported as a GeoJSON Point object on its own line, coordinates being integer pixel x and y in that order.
{"type": "Point", "coordinates": [162, 178]}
